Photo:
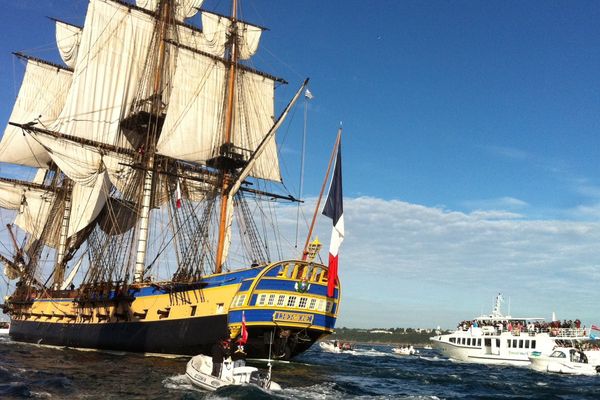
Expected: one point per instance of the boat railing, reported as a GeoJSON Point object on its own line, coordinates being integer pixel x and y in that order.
{"type": "Point", "coordinates": [530, 331]}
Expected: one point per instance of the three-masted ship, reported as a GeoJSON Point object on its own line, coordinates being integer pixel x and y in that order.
{"type": "Point", "coordinates": [153, 147]}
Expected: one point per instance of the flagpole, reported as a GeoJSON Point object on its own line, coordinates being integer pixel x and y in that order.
{"type": "Point", "coordinates": [314, 219]}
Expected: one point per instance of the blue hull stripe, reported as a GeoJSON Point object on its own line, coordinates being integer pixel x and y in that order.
{"type": "Point", "coordinates": [266, 315]}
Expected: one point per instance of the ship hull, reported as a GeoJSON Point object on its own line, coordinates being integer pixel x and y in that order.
{"type": "Point", "coordinates": [186, 336]}
{"type": "Point", "coordinates": [188, 320]}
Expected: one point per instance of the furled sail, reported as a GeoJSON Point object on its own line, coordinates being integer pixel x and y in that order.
{"type": "Point", "coordinates": [31, 203]}
{"type": "Point", "coordinates": [87, 202]}
{"type": "Point", "coordinates": [216, 29]}
{"type": "Point", "coordinates": [41, 98]}
{"type": "Point", "coordinates": [68, 38]}
{"type": "Point", "coordinates": [185, 8]}
{"type": "Point", "coordinates": [195, 114]}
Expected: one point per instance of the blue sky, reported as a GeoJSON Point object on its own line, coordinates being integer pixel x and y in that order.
{"type": "Point", "coordinates": [471, 140]}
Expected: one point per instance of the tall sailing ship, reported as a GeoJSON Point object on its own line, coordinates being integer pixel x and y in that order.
{"type": "Point", "coordinates": [153, 145]}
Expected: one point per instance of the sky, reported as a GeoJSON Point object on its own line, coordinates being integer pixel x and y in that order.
{"type": "Point", "coordinates": [470, 145]}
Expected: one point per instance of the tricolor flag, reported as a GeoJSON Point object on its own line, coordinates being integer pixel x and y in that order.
{"type": "Point", "coordinates": [334, 209]}
{"type": "Point", "coordinates": [178, 194]}
{"type": "Point", "coordinates": [244, 338]}
{"type": "Point", "coordinates": [595, 328]}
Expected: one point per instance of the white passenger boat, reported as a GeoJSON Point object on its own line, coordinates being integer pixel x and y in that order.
{"type": "Point", "coordinates": [199, 372]}
{"type": "Point", "coordinates": [564, 360]}
{"type": "Point", "coordinates": [500, 339]}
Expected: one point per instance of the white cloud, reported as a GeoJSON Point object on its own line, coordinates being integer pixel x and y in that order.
{"type": "Point", "coordinates": [438, 266]}
{"type": "Point", "coordinates": [497, 205]}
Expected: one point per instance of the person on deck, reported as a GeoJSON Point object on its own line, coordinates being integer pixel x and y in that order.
{"type": "Point", "coordinates": [239, 356]}
{"type": "Point", "coordinates": [220, 351]}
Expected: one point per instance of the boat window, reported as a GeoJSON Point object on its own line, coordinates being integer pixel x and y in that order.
{"type": "Point", "coordinates": [514, 343]}
{"type": "Point", "coordinates": [508, 343]}
{"type": "Point", "coordinates": [313, 303]}
{"type": "Point", "coordinates": [520, 344]}
{"type": "Point", "coordinates": [329, 306]}
{"type": "Point", "coordinates": [261, 299]}
{"type": "Point", "coordinates": [241, 300]}
{"type": "Point", "coordinates": [271, 299]}
{"type": "Point", "coordinates": [321, 306]}
{"type": "Point", "coordinates": [527, 344]}
{"type": "Point", "coordinates": [302, 303]}
{"type": "Point", "coordinates": [452, 340]}
{"type": "Point", "coordinates": [463, 340]}
{"type": "Point", "coordinates": [498, 343]}
{"type": "Point", "coordinates": [479, 342]}
{"type": "Point", "coordinates": [281, 300]}
{"type": "Point", "coordinates": [558, 354]}
{"type": "Point", "coordinates": [291, 301]}
{"type": "Point", "coordinates": [533, 344]}
{"type": "Point", "coordinates": [468, 341]}
{"type": "Point", "coordinates": [488, 342]}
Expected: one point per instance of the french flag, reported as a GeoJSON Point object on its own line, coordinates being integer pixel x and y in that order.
{"type": "Point", "coordinates": [244, 337]}
{"type": "Point", "coordinates": [334, 209]}
{"type": "Point", "coordinates": [178, 195]}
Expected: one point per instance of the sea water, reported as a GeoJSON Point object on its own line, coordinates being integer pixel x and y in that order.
{"type": "Point", "coordinates": [368, 372]}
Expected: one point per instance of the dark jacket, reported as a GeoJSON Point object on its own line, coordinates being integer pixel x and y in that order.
{"type": "Point", "coordinates": [239, 354]}
{"type": "Point", "coordinates": [219, 353]}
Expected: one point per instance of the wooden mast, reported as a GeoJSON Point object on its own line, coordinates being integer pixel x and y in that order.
{"type": "Point", "coordinates": [164, 15]}
{"type": "Point", "coordinates": [227, 137]}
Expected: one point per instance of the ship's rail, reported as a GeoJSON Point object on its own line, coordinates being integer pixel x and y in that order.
{"type": "Point", "coordinates": [553, 332]}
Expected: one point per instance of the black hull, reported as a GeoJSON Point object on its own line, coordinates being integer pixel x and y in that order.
{"type": "Point", "coordinates": [185, 336]}
{"type": "Point", "coordinates": [180, 337]}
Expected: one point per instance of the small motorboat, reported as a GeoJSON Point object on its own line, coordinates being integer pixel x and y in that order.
{"type": "Point", "coordinates": [564, 360]}
{"type": "Point", "coordinates": [4, 328]}
{"type": "Point", "coordinates": [335, 346]}
{"type": "Point", "coordinates": [405, 350]}
{"type": "Point", "coordinates": [199, 370]}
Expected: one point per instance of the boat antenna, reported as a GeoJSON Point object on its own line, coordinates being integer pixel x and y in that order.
{"type": "Point", "coordinates": [312, 224]}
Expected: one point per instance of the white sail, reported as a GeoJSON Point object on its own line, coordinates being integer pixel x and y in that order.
{"type": "Point", "coordinates": [216, 29]}
{"type": "Point", "coordinates": [195, 114]}
{"type": "Point", "coordinates": [32, 205]}
{"type": "Point", "coordinates": [84, 164]}
{"type": "Point", "coordinates": [87, 202]}
{"type": "Point", "coordinates": [110, 62]}
{"type": "Point", "coordinates": [41, 97]}
{"type": "Point", "coordinates": [68, 38]}
{"type": "Point", "coordinates": [184, 8]}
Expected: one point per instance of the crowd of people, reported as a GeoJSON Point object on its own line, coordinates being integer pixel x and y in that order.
{"type": "Point", "coordinates": [522, 325]}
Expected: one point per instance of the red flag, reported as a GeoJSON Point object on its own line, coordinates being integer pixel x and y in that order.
{"type": "Point", "coordinates": [595, 328]}
{"type": "Point", "coordinates": [178, 194]}
{"type": "Point", "coordinates": [334, 209]}
{"type": "Point", "coordinates": [244, 338]}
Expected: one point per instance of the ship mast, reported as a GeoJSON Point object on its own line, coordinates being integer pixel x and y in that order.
{"type": "Point", "coordinates": [225, 148]}
{"type": "Point", "coordinates": [164, 15]}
